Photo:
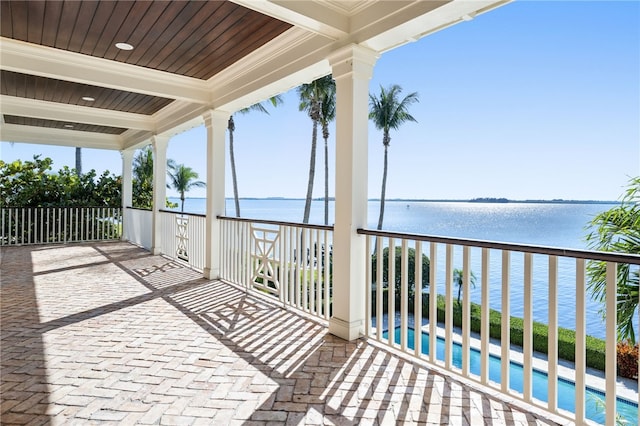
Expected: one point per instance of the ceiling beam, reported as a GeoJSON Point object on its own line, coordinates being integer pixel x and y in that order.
{"type": "Point", "coordinates": [43, 61]}
{"type": "Point", "coordinates": [309, 15]}
{"type": "Point", "coordinates": [33, 108]}
{"type": "Point", "coordinates": [61, 137]}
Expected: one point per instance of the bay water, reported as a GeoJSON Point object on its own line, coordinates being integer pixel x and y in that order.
{"type": "Point", "coordinates": [562, 225]}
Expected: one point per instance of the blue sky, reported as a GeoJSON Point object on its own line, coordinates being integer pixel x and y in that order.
{"type": "Point", "coordinates": [534, 100]}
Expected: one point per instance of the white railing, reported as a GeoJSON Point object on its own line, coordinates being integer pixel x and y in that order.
{"type": "Point", "coordinates": [288, 261]}
{"type": "Point", "coordinates": [183, 237]}
{"type": "Point", "coordinates": [138, 226]}
{"type": "Point", "coordinates": [503, 272]}
{"type": "Point", "coordinates": [47, 225]}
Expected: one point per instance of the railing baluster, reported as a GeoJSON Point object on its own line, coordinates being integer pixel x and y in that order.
{"type": "Point", "coordinates": [22, 236]}
{"type": "Point", "coordinates": [319, 260]}
{"type": "Point", "coordinates": [610, 344]}
{"type": "Point", "coordinates": [505, 338]}
{"type": "Point", "coordinates": [527, 338]}
{"type": "Point", "coordinates": [327, 276]}
{"type": "Point", "coordinates": [552, 366]}
{"type": "Point", "coordinates": [391, 291]}
{"type": "Point", "coordinates": [311, 297]}
{"type": "Point", "coordinates": [466, 309]}
{"type": "Point", "coordinates": [404, 294]}
{"type": "Point", "coordinates": [379, 289]}
{"type": "Point", "coordinates": [580, 348]}
{"type": "Point", "coordinates": [367, 280]}
{"type": "Point", "coordinates": [484, 319]}
{"type": "Point", "coordinates": [417, 299]}
{"type": "Point", "coordinates": [433, 301]}
{"type": "Point", "coordinates": [448, 307]}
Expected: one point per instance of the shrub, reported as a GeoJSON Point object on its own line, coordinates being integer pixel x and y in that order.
{"type": "Point", "coordinates": [627, 355]}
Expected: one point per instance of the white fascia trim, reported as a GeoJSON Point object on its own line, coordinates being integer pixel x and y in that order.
{"type": "Point", "coordinates": [45, 61]}
{"type": "Point", "coordinates": [424, 23]}
{"type": "Point", "coordinates": [308, 15]}
{"type": "Point", "coordinates": [24, 107]}
{"type": "Point", "coordinates": [49, 136]}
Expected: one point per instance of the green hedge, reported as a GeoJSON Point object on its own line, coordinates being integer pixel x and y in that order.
{"type": "Point", "coordinates": [595, 348]}
{"type": "Point", "coordinates": [595, 351]}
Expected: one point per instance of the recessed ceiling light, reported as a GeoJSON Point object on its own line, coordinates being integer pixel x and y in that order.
{"type": "Point", "coordinates": [124, 46]}
{"type": "Point", "coordinates": [88, 98]}
{"type": "Point", "coordinates": [69, 126]}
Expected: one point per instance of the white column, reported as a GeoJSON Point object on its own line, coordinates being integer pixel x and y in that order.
{"type": "Point", "coordinates": [127, 190]}
{"type": "Point", "coordinates": [216, 125]}
{"type": "Point", "coordinates": [352, 69]}
{"type": "Point", "coordinates": [159, 145]}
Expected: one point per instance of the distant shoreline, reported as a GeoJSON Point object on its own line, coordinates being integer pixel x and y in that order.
{"type": "Point", "coordinates": [421, 200]}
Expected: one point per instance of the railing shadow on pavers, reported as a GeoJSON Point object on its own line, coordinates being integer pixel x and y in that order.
{"type": "Point", "coordinates": [24, 393]}
{"type": "Point", "coordinates": [317, 374]}
{"type": "Point", "coordinates": [251, 362]}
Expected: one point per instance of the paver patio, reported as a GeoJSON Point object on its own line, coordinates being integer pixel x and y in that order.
{"type": "Point", "coordinates": [107, 333]}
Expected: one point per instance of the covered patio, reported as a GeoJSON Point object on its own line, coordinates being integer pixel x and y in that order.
{"type": "Point", "coordinates": [206, 319]}
{"type": "Point", "coordinates": [107, 332]}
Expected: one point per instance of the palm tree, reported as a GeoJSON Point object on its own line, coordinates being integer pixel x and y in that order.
{"type": "Point", "coordinates": [182, 179]}
{"type": "Point", "coordinates": [142, 169]}
{"type": "Point", "coordinates": [458, 275]}
{"type": "Point", "coordinates": [275, 101]}
{"type": "Point", "coordinates": [618, 230]}
{"type": "Point", "coordinates": [388, 112]}
{"type": "Point", "coordinates": [327, 115]}
{"type": "Point", "coordinates": [78, 161]}
{"type": "Point", "coordinates": [311, 97]}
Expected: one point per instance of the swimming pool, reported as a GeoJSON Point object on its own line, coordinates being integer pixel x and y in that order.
{"type": "Point", "coordinates": [628, 410]}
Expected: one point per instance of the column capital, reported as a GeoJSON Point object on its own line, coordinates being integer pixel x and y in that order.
{"type": "Point", "coordinates": [160, 141]}
{"type": "Point", "coordinates": [353, 61]}
{"type": "Point", "coordinates": [215, 116]}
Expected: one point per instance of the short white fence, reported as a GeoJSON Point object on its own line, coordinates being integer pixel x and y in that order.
{"type": "Point", "coordinates": [403, 315]}
{"type": "Point", "coordinates": [47, 225]}
{"type": "Point", "coordinates": [288, 261]}
{"type": "Point", "coordinates": [183, 237]}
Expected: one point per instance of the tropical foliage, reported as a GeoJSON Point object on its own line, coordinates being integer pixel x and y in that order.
{"type": "Point", "coordinates": [312, 96]}
{"type": "Point", "coordinates": [182, 179]}
{"type": "Point", "coordinates": [33, 184]}
{"type": "Point", "coordinates": [231, 126]}
{"type": "Point", "coordinates": [618, 230]}
{"type": "Point", "coordinates": [411, 270]}
{"type": "Point", "coordinates": [388, 112]}
{"type": "Point", "coordinates": [142, 185]}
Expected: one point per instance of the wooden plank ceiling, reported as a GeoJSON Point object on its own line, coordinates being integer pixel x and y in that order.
{"type": "Point", "coordinates": [196, 39]}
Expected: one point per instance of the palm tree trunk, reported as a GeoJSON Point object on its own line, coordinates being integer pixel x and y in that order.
{"type": "Point", "coordinates": [384, 189]}
{"type": "Point", "coordinates": [233, 167]}
{"type": "Point", "coordinates": [78, 161]}
{"type": "Point", "coordinates": [182, 200]}
{"type": "Point", "coordinates": [326, 182]}
{"type": "Point", "coordinates": [312, 172]}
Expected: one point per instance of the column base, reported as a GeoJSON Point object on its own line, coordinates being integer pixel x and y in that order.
{"type": "Point", "coordinates": [211, 274]}
{"type": "Point", "coordinates": [156, 251]}
{"type": "Point", "coordinates": [346, 330]}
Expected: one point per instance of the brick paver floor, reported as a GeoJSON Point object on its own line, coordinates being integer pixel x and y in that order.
{"type": "Point", "coordinates": [107, 333]}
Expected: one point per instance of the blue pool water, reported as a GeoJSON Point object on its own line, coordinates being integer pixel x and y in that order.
{"type": "Point", "coordinates": [566, 389]}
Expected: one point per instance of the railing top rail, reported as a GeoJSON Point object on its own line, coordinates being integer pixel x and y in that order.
{"type": "Point", "coordinates": [182, 213]}
{"type": "Point", "coordinates": [525, 248]}
{"type": "Point", "coordinates": [138, 208]}
{"type": "Point", "coordinates": [277, 222]}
